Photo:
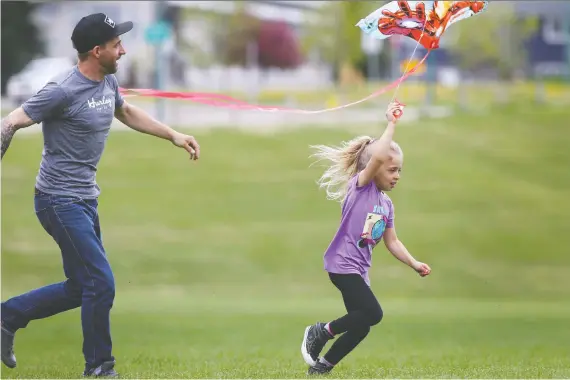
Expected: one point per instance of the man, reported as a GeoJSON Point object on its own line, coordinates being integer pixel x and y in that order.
{"type": "Point", "coordinates": [76, 109]}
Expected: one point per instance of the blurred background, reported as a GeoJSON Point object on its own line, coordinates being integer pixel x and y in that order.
{"type": "Point", "coordinates": [296, 53]}
{"type": "Point", "coordinates": [235, 242]}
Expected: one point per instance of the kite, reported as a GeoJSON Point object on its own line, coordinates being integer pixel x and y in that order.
{"type": "Point", "coordinates": [423, 21]}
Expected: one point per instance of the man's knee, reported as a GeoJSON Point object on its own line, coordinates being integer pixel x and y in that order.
{"type": "Point", "coordinates": [106, 287]}
{"type": "Point", "coordinates": [102, 288]}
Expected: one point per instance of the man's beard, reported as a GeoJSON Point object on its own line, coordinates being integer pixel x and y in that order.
{"type": "Point", "coordinates": [110, 68]}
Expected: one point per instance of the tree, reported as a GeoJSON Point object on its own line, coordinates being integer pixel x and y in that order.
{"type": "Point", "coordinates": [246, 39]}
{"type": "Point", "coordinates": [240, 30]}
{"type": "Point", "coordinates": [278, 45]}
{"type": "Point", "coordinates": [20, 38]}
{"type": "Point", "coordinates": [495, 38]}
{"type": "Point", "coordinates": [332, 32]}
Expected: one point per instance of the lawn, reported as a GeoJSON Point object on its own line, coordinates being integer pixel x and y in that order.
{"type": "Point", "coordinates": [218, 263]}
{"type": "Point", "coordinates": [415, 92]}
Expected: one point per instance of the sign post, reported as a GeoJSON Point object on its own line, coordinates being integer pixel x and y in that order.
{"type": "Point", "coordinates": [566, 29]}
{"type": "Point", "coordinates": [156, 34]}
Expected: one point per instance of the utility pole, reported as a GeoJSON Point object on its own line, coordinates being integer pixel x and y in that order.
{"type": "Point", "coordinates": [160, 66]}
{"type": "Point", "coordinates": [431, 79]}
{"type": "Point", "coordinates": [566, 31]}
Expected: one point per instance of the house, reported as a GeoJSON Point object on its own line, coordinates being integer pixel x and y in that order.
{"type": "Point", "coordinates": [549, 48]}
{"type": "Point", "coordinates": [57, 19]}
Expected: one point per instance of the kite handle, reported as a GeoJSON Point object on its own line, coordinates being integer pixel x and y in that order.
{"type": "Point", "coordinates": [398, 113]}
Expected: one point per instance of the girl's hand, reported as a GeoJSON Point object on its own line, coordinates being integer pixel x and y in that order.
{"type": "Point", "coordinates": [422, 269]}
{"type": "Point", "coordinates": [394, 111]}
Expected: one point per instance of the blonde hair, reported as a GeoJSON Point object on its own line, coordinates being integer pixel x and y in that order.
{"type": "Point", "coordinates": [346, 161]}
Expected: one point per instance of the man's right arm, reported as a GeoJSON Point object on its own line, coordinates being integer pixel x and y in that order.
{"type": "Point", "coordinates": [48, 102]}
{"type": "Point", "coordinates": [10, 124]}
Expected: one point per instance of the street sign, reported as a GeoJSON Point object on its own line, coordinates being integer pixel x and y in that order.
{"type": "Point", "coordinates": [157, 33]}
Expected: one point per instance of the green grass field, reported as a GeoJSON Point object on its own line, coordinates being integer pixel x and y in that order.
{"type": "Point", "coordinates": [473, 95]}
{"type": "Point", "coordinates": [218, 263]}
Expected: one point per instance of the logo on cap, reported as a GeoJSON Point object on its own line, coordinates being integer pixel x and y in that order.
{"type": "Point", "coordinates": [109, 22]}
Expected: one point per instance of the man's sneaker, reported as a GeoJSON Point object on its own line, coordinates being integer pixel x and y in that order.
{"type": "Point", "coordinates": [8, 357]}
{"type": "Point", "coordinates": [315, 338]}
{"type": "Point", "coordinates": [104, 370]}
{"type": "Point", "coordinates": [319, 368]}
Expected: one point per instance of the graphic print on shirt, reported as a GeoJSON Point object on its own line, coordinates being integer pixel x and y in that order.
{"type": "Point", "coordinates": [101, 104]}
{"type": "Point", "coordinates": [374, 227]}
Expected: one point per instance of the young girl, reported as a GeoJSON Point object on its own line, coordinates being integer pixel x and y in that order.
{"type": "Point", "coordinates": [362, 171]}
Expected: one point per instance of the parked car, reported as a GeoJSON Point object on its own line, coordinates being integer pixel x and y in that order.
{"type": "Point", "coordinates": [34, 77]}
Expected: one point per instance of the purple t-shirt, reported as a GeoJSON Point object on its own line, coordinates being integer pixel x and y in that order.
{"type": "Point", "coordinates": [366, 213]}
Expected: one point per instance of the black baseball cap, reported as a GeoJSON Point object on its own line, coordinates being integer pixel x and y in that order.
{"type": "Point", "coordinates": [96, 29]}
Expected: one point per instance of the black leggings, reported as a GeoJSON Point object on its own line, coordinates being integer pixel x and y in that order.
{"type": "Point", "coordinates": [363, 310]}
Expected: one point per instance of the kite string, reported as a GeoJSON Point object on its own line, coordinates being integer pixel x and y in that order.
{"type": "Point", "coordinates": [409, 61]}
{"type": "Point", "coordinates": [222, 100]}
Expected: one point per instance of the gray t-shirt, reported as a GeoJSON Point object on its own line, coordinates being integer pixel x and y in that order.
{"type": "Point", "coordinates": [76, 115]}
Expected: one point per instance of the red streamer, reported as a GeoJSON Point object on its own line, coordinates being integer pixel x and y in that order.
{"type": "Point", "coordinates": [225, 101]}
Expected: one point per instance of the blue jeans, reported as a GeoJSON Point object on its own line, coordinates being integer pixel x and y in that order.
{"type": "Point", "coordinates": [74, 225]}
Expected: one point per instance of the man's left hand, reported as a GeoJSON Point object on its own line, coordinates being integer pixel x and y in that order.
{"type": "Point", "coordinates": [187, 142]}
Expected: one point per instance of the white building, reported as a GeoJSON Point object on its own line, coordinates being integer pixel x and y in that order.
{"type": "Point", "coordinates": [57, 19]}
